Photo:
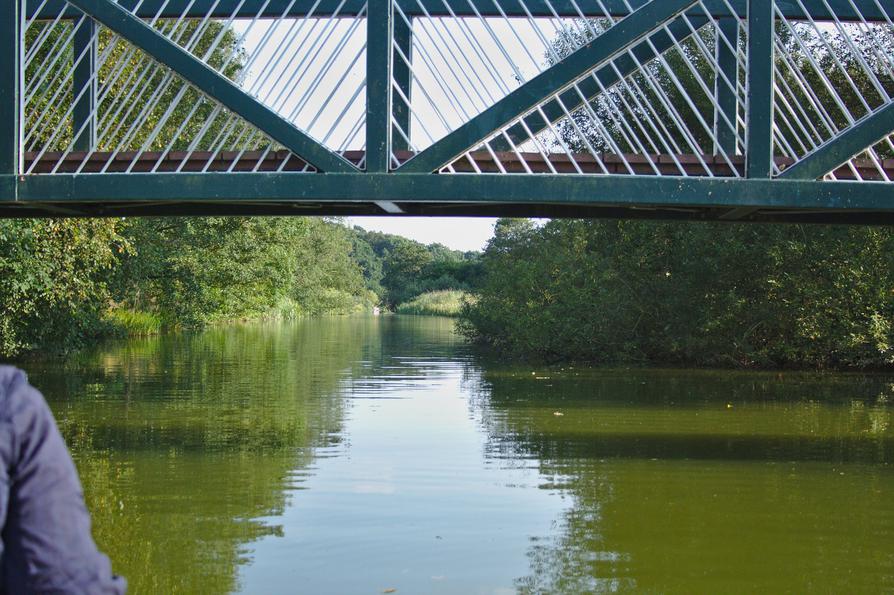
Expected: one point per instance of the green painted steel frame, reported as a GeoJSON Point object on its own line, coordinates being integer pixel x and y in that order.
{"type": "Point", "coordinates": [795, 196]}
{"type": "Point", "coordinates": [10, 88]}
{"type": "Point", "coordinates": [725, 98]}
{"type": "Point", "coordinates": [478, 194]}
{"type": "Point", "coordinates": [551, 81]}
{"type": "Point", "coordinates": [212, 83]}
{"type": "Point", "coordinates": [818, 9]}
{"type": "Point", "coordinates": [84, 85]}
{"type": "Point", "coordinates": [379, 58]}
{"type": "Point", "coordinates": [759, 123]}
{"type": "Point", "coordinates": [402, 36]}
{"type": "Point", "coordinates": [841, 148]}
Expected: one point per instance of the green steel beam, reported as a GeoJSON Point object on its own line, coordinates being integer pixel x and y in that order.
{"type": "Point", "coordinates": [872, 10]}
{"type": "Point", "coordinates": [759, 133]}
{"type": "Point", "coordinates": [641, 192]}
{"type": "Point", "coordinates": [862, 135]}
{"type": "Point", "coordinates": [378, 85]}
{"type": "Point", "coordinates": [555, 79]}
{"type": "Point", "coordinates": [725, 100]}
{"type": "Point", "coordinates": [10, 87]}
{"type": "Point", "coordinates": [344, 209]}
{"type": "Point", "coordinates": [402, 35]}
{"type": "Point", "coordinates": [84, 84]}
{"type": "Point", "coordinates": [607, 76]}
{"type": "Point", "coordinates": [8, 187]}
{"type": "Point", "coordinates": [213, 84]}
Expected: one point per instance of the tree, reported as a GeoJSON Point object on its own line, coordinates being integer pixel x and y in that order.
{"type": "Point", "coordinates": [53, 281]}
{"type": "Point", "coordinates": [709, 294]}
{"type": "Point", "coordinates": [62, 275]}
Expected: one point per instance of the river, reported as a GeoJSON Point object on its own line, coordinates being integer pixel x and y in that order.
{"type": "Point", "coordinates": [363, 454]}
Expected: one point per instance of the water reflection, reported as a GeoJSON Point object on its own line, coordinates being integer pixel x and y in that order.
{"type": "Point", "coordinates": [184, 442]}
{"type": "Point", "coordinates": [699, 481]}
{"type": "Point", "coordinates": [359, 454]}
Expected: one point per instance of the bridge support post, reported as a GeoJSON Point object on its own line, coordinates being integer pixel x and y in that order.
{"type": "Point", "coordinates": [11, 87]}
{"type": "Point", "coordinates": [379, 57]}
{"type": "Point", "coordinates": [759, 133]}
{"type": "Point", "coordinates": [84, 85]}
{"type": "Point", "coordinates": [726, 100]}
{"type": "Point", "coordinates": [403, 80]}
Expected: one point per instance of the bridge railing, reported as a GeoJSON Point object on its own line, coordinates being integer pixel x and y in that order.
{"type": "Point", "coordinates": [794, 90]}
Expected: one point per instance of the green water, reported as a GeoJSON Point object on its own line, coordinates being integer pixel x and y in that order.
{"type": "Point", "coordinates": [355, 455]}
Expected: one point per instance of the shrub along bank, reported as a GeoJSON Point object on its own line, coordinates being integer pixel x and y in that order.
{"type": "Point", "coordinates": [64, 283]}
{"type": "Point", "coordinates": [688, 293]}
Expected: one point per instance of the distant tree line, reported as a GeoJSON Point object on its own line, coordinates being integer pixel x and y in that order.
{"type": "Point", "coordinates": [65, 283]}
{"type": "Point", "coordinates": [398, 269]}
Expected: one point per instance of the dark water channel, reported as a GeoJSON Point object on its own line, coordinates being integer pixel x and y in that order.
{"type": "Point", "coordinates": [356, 455]}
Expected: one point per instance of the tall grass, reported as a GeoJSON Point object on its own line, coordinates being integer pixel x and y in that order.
{"type": "Point", "coordinates": [445, 302]}
{"type": "Point", "coordinates": [133, 322]}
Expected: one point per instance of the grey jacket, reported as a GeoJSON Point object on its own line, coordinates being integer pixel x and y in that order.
{"type": "Point", "coordinates": [45, 544]}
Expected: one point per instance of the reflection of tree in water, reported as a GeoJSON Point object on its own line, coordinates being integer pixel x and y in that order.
{"type": "Point", "coordinates": [185, 442]}
{"type": "Point", "coordinates": [680, 481]}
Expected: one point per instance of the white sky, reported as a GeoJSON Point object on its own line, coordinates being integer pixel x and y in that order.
{"type": "Point", "coordinates": [459, 233]}
{"type": "Point", "coordinates": [313, 71]}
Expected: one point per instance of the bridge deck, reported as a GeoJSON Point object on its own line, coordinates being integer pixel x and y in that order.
{"type": "Point", "coordinates": [279, 183]}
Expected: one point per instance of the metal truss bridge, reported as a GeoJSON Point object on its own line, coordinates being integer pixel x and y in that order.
{"type": "Point", "coordinates": [754, 110]}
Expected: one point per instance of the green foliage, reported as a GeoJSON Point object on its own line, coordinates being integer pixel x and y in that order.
{"type": "Point", "coordinates": [195, 271]}
{"type": "Point", "coordinates": [709, 294]}
{"type": "Point", "coordinates": [399, 269]}
{"type": "Point", "coordinates": [53, 281]}
{"type": "Point", "coordinates": [65, 282]}
{"type": "Point", "coordinates": [368, 260]}
{"type": "Point", "coordinates": [330, 280]}
{"type": "Point", "coordinates": [446, 302]}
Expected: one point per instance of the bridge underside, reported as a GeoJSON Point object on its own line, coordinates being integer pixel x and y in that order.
{"type": "Point", "coordinates": [714, 110]}
{"type": "Point", "coordinates": [479, 194]}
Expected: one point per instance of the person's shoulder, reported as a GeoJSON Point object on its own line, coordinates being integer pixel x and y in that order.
{"type": "Point", "coordinates": [11, 375]}
{"type": "Point", "coordinates": [12, 381]}
{"type": "Point", "coordinates": [17, 396]}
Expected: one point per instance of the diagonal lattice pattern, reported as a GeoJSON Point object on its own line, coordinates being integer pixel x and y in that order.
{"type": "Point", "coordinates": [87, 89]}
{"type": "Point", "coordinates": [830, 76]}
{"type": "Point", "coordinates": [648, 108]}
{"type": "Point", "coordinates": [467, 87]}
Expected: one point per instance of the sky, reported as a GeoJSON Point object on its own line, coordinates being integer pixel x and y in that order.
{"type": "Point", "coordinates": [458, 233]}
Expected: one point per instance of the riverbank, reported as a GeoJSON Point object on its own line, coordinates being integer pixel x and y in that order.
{"type": "Point", "coordinates": [65, 284]}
